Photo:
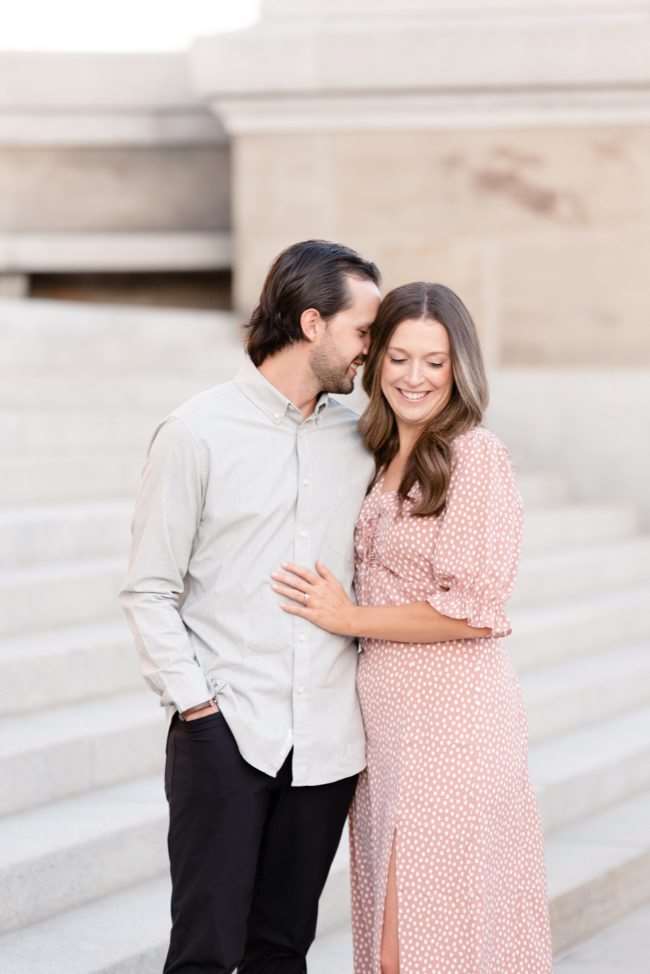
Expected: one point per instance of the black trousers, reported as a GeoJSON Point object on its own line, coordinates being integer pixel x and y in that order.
{"type": "Point", "coordinates": [249, 855]}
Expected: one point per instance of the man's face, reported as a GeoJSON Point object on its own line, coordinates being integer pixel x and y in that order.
{"type": "Point", "coordinates": [345, 339]}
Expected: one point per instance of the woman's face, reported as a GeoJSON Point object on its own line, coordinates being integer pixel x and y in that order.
{"type": "Point", "coordinates": [416, 373]}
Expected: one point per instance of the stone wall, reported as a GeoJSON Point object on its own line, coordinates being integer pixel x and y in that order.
{"type": "Point", "coordinates": [114, 188]}
{"type": "Point", "coordinates": [545, 233]}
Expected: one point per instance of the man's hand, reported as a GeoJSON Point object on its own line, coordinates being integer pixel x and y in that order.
{"type": "Point", "coordinates": [203, 709]}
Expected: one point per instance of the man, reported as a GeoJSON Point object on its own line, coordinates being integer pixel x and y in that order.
{"type": "Point", "coordinates": [265, 741]}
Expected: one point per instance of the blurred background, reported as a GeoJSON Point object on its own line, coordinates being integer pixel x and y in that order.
{"type": "Point", "coordinates": [153, 161]}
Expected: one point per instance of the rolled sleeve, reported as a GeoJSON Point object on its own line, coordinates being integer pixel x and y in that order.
{"type": "Point", "coordinates": [166, 518]}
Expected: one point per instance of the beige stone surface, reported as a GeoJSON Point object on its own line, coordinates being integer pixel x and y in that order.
{"type": "Point", "coordinates": [114, 188]}
{"type": "Point", "coordinates": [576, 299]}
{"type": "Point", "coordinates": [522, 222]}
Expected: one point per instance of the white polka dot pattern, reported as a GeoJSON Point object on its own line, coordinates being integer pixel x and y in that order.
{"type": "Point", "coordinates": [447, 776]}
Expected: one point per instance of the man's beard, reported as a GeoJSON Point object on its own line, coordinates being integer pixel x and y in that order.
{"type": "Point", "coordinates": [332, 376]}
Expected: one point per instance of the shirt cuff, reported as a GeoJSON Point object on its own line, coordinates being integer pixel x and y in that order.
{"type": "Point", "coordinates": [187, 688]}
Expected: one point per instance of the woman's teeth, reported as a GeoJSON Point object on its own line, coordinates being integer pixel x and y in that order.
{"type": "Point", "coordinates": [413, 396]}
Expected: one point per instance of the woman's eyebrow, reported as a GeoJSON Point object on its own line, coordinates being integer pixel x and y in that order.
{"type": "Point", "coordinates": [396, 348]}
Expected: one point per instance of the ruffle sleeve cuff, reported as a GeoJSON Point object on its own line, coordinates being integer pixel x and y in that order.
{"type": "Point", "coordinates": [451, 598]}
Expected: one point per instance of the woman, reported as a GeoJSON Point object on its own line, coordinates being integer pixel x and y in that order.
{"type": "Point", "coordinates": [446, 847]}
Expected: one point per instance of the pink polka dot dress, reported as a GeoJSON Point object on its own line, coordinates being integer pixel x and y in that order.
{"type": "Point", "coordinates": [447, 775]}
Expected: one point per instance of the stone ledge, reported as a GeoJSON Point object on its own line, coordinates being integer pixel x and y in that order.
{"type": "Point", "coordinates": [87, 252]}
{"type": "Point", "coordinates": [484, 109]}
{"type": "Point", "coordinates": [107, 128]}
{"type": "Point", "coordinates": [499, 47]}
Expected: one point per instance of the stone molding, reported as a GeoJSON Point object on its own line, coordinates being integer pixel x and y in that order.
{"type": "Point", "coordinates": [111, 128]}
{"type": "Point", "coordinates": [475, 109]}
{"type": "Point", "coordinates": [416, 65]}
{"type": "Point", "coordinates": [101, 99]}
{"type": "Point", "coordinates": [89, 252]}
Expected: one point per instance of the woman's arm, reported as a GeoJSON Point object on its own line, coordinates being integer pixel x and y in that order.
{"type": "Point", "coordinates": [417, 622]}
{"type": "Point", "coordinates": [322, 600]}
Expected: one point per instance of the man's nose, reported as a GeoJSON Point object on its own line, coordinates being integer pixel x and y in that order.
{"type": "Point", "coordinates": [366, 344]}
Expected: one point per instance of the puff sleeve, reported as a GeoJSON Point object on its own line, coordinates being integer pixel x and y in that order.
{"type": "Point", "coordinates": [476, 554]}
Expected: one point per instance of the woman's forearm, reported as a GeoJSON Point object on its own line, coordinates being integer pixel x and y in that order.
{"type": "Point", "coordinates": [415, 623]}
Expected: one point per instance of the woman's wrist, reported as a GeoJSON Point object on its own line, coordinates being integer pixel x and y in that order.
{"type": "Point", "coordinates": [353, 621]}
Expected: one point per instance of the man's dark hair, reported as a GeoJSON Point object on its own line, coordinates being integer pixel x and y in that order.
{"type": "Point", "coordinates": [310, 274]}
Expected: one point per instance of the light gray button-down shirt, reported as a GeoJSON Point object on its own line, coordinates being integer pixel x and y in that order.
{"type": "Point", "coordinates": [235, 483]}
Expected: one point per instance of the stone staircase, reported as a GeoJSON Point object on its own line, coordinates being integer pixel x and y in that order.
{"type": "Point", "coordinates": [83, 869]}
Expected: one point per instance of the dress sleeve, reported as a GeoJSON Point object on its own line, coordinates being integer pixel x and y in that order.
{"type": "Point", "coordinates": [476, 555]}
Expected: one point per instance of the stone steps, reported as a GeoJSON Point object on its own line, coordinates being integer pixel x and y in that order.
{"type": "Point", "coordinates": [575, 692]}
{"type": "Point", "coordinates": [53, 753]}
{"type": "Point", "coordinates": [142, 390]}
{"type": "Point", "coordinates": [65, 665]}
{"type": "Point", "coordinates": [553, 576]}
{"type": "Point", "coordinates": [66, 594]}
{"type": "Point", "coordinates": [69, 339]}
{"type": "Point", "coordinates": [575, 775]}
{"type": "Point", "coordinates": [578, 773]}
{"type": "Point", "coordinates": [65, 532]}
{"type": "Point", "coordinates": [34, 481]}
{"type": "Point", "coordinates": [598, 870]}
{"type": "Point", "coordinates": [546, 635]}
{"type": "Point", "coordinates": [64, 854]}
{"type": "Point", "coordinates": [622, 948]}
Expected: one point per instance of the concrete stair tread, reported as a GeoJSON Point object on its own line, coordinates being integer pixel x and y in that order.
{"type": "Point", "coordinates": [621, 948]}
{"type": "Point", "coordinates": [120, 929]}
{"type": "Point", "coordinates": [41, 831]}
{"type": "Point", "coordinates": [41, 479]}
{"type": "Point", "coordinates": [591, 750]}
{"type": "Point", "coordinates": [562, 697]}
{"type": "Point", "coordinates": [588, 849]}
{"type": "Point", "coordinates": [57, 642]}
{"type": "Point", "coordinates": [584, 523]}
{"type": "Point", "coordinates": [582, 570]}
{"type": "Point", "coordinates": [44, 514]}
{"type": "Point", "coordinates": [60, 666]}
{"type": "Point", "coordinates": [54, 570]}
{"type": "Point", "coordinates": [600, 671]}
{"type": "Point", "coordinates": [558, 613]}
{"type": "Point", "coordinates": [82, 721]}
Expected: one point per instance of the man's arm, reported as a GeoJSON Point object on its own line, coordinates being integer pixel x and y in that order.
{"type": "Point", "coordinates": [166, 519]}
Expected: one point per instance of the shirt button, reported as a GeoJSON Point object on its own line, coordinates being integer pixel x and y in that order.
{"type": "Point", "coordinates": [300, 689]}
{"type": "Point", "coordinates": [306, 483]}
{"type": "Point", "coordinates": [277, 417]}
{"type": "Point", "coordinates": [303, 534]}
{"type": "Point", "coordinates": [301, 637]}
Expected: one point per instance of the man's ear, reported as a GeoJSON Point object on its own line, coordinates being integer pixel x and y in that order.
{"type": "Point", "coordinates": [311, 324]}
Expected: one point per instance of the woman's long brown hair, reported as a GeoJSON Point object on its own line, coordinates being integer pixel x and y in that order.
{"type": "Point", "coordinates": [429, 465]}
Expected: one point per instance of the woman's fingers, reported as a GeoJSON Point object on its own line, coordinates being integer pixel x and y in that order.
{"type": "Point", "coordinates": [301, 572]}
{"type": "Point", "coordinates": [298, 595]}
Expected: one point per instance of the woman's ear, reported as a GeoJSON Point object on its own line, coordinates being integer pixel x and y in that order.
{"type": "Point", "coordinates": [310, 322]}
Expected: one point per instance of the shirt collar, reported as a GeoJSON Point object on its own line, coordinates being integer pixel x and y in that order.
{"type": "Point", "coordinates": [270, 400]}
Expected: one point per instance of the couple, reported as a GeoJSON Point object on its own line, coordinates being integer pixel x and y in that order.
{"type": "Point", "coordinates": [264, 503]}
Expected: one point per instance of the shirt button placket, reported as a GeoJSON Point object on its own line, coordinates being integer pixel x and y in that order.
{"type": "Point", "coordinates": [304, 557]}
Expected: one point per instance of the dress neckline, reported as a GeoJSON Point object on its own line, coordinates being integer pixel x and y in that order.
{"type": "Point", "coordinates": [379, 486]}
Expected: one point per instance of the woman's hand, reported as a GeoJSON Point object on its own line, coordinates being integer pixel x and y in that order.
{"type": "Point", "coordinates": [319, 598]}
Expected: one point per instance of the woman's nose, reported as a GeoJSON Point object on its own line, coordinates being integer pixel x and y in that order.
{"type": "Point", "coordinates": [414, 375]}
